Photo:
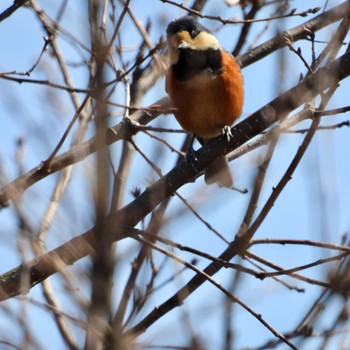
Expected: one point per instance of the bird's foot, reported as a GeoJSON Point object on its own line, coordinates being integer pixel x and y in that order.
{"type": "Point", "coordinates": [226, 132]}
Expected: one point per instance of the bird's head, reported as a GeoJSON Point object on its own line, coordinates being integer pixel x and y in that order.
{"type": "Point", "coordinates": [187, 33]}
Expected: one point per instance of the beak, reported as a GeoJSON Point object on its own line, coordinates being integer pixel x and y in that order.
{"type": "Point", "coordinates": [180, 40]}
{"type": "Point", "coordinates": [183, 45]}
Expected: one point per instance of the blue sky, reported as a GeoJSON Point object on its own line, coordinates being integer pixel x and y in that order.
{"type": "Point", "coordinates": [315, 204]}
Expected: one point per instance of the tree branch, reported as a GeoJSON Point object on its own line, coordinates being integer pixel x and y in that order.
{"type": "Point", "coordinates": [46, 265]}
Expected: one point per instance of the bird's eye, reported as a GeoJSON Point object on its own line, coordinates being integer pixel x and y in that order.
{"type": "Point", "coordinates": [193, 33]}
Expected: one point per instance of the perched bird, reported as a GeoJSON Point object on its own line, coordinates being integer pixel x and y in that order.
{"type": "Point", "coordinates": [205, 87]}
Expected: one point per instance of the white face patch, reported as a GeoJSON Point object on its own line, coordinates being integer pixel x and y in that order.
{"type": "Point", "coordinates": [205, 40]}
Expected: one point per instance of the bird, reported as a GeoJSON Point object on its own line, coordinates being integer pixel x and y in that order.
{"type": "Point", "coordinates": [205, 87]}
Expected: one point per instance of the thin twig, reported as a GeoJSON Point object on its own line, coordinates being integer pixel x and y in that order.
{"type": "Point", "coordinates": [43, 82]}
{"type": "Point", "coordinates": [297, 276]}
{"type": "Point", "coordinates": [233, 298]}
{"type": "Point", "coordinates": [230, 21]}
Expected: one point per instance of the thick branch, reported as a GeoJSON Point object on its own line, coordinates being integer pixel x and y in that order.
{"type": "Point", "coordinates": [46, 265]}
{"type": "Point", "coordinates": [122, 130]}
{"type": "Point", "coordinates": [79, 152]}
{"type": "Point", "coordinates": [296, 33]}
{"type": "Point", "coordinates": [10, 10]}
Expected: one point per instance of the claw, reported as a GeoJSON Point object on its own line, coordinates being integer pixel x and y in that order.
{"type": "Point", "coordinates": [226, 132]}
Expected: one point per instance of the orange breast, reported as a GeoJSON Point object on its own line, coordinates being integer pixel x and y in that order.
{"type": "Point", "coordinates": [206, 103]}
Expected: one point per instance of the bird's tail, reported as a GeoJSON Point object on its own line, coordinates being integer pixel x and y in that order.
{"type": "Point", "coordinates": [219, 172]}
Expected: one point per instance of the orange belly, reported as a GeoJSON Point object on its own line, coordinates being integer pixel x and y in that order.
{"type": "Point", "coordinates": [207, 103]}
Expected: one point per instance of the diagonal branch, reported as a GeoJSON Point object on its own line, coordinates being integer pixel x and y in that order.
{"type": "Point", "coordinates": [296, 33]}
{"type": "Point", "coordinates": [77, 153]}
{"type": "Point", "coordinates": [10, 10]}
{"type": "Point", "coordinates": [41, 268]}
{"type": "Point", "coordinates": [122, 130]}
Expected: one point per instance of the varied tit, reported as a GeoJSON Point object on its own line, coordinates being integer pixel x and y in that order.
{"type": "Point", "coordinates": [205, 86]}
